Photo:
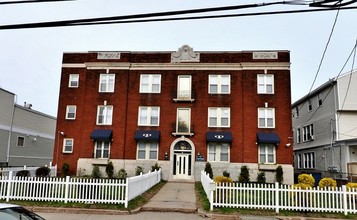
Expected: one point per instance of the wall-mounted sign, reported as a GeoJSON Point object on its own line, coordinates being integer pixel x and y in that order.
{"type": "Point", "coordinates": [265, 55]}
{"type": "Point", "coordinates": [108, 55]}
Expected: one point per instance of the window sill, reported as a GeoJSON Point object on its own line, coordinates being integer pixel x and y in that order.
{"type": "Point", "coordinates": [184, 100]}
{"type": "Point", "coordinates": [182, 134]}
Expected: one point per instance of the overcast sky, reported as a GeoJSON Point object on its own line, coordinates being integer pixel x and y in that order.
{"type": "Point", "coordinates": [30, 59]}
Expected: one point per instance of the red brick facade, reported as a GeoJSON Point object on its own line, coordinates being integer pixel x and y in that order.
{"type": "Point", "coordinates": [243, 101]}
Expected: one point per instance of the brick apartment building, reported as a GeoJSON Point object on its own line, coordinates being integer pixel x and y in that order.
{"type": "Point", "coordinates": [179, 109]}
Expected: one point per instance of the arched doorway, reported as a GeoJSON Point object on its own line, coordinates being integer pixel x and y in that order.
{"type": "Point", "coordinates": [182, 151]}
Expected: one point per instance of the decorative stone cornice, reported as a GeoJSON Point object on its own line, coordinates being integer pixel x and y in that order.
{"type": "Point", "coordinates": [185, 54]}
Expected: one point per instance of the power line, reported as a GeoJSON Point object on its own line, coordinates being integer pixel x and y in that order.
{"type": "Point", "coordinates": [134, 19]}
{"type": "Point", "coordinates": [31, 1]}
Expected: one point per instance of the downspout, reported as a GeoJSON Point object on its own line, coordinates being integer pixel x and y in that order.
{"type": "Point", "coordinates": [10, 131]}
{"type": "Point", "coordinates": [126, 111]}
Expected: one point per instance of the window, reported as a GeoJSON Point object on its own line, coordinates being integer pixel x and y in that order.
{"type": "Point", "coordinates": [308, 133]}
{"type": "Point", "coordinates": [150, 83]}
{"type": "Point", "coordinates": [102, 149]}
{"type": "Point", "coordinates": [266, 153]}
{"type": "Point", "coordinates": [219, 84]}
{"type": "Point", "coordinates": [183, 123]}
{"type": "Point", "coordinates": [104, 115]}
{"type": "Point", "coordinates": [147, 150]}
{"type": "Point", "coordinates": [184, 87]}
{"type": "Point", "coordinates": [149, 116]}
{"type": "Point", "coordinates": [265, 84]}
{"type": "Point", "coordinates": [67, 145]}
{"type": "Point", "coordinates": [71, 112]}
{"type": "Point", "coordinates": [106, 82]}
{"type": "Point", "coordinates": [20, 141]}
{"type": "Point", "coordinates": [298, 135]}
{"type": "Point", "coordinates": [218, 152]}
{"type": "Point", "coordinates": [309, 160]}
{"type": "Point", "coordinates": [319, 99]}
{"type": "Point", "coordinates": [218, 117]}
{"type": "Point", "coordinates": [297, 111]}
{"type": "Point", "coordinates": [266, 117]}
{"type": "Point", "coordinates": [299, 161]}
{"type": "Point", "coordinates": [73, 80]}
{"type": "Point", "coordinates": [309, 105]}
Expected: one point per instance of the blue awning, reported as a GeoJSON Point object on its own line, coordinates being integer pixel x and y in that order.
{"type": "Point", "coordinates": [268, 138]}
{"type": "Point", "coordinates": [143, 135]}
{"type": "Point", "coordinates": [219, 136]}
{"type": "Point", "coordinates": [100, 134]}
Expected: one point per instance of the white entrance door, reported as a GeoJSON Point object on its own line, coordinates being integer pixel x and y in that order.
{"type": "Point", "coordinates": [182, 166]}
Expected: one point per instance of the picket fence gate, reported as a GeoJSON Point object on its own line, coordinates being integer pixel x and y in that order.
{"type": "Point", "coordinates": [80, 190]}
{"type": "Point", "coordinates": [279, 197]}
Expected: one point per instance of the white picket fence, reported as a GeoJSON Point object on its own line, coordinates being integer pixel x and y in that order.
{"type": "Point", "coordinates": [6, 170]}
{"type": "Point", "coordinates": [81, 190]}
{"type": "Point", "coordinates": [279, 197]}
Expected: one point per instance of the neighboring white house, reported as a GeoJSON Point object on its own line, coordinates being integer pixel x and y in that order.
{"type": "Point", "coordinates": [26, 136]}
{"type": "Point", "coordinates": [325, 129]}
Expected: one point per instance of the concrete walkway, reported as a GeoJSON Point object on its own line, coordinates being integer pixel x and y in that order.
{"type": "Point", "coordinates": [174, 197]}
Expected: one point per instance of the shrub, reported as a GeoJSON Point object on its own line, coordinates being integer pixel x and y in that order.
{"type": "Point", "coordinates": [351, 186]}
{"type": "Point", "coordinates": [122, 174]}
{"type": "Point", "coordinates": [261, 177]}
{"type": "Point", "coordinates": [244, 175]}
{"type": "Point", "coordinates": [226, 174]}
{"type": "Point", "coordinates": [306, 179]}
{"type": "Point", "coordinates": [222, 179]}
{"type": "Point", "coordinates": [138, 170]}
{"type": "Point", "coordinates": [23, 173]}
{"type": "Point", "coordinates": [43, 172]}
{"type": "Point", "coordinates": [301, 185]}
{"type": "Point", "coordinates": [109, 170]}
{"type": "Point", "coordinates": [65, 169]}
{"type": "Point", "coordinates": [96, 172]}
{"type": "Point", "coordinates": [208, 170]}
{"type": "Point", "coordinates": [155, 167]}
{"type": "Point", "coordinates": [279, 175]}
{"type": "Point", "coordinates": [327, 182]}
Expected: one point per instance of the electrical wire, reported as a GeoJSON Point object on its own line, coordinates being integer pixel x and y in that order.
{"type": "Point", "coordinates": [31, 1]}
{"type": "Point", "coordinates": [134, 19]}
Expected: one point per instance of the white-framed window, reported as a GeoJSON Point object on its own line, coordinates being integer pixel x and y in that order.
{"type": "Point", "coordinates": [73, 80]}
{"type": "Point", "coordinates": [218, 117]}
{"type": "Point", "coordinates": [184, 87]}
{"type": "Point", "coordinates": [20, 141]}
{"type": "Point", "coordinates": [297, 111]}
{"type": "Point", "coordinates": [147, 150]}
{"type": "Point", "coordinates": [265, 83]}
{"type": "Point", "coordinates": [102, 149]}
{"type": "Point", "coordinates": [183, 121]}
{"type": "Point", "coordinates": [149, 116]}
{"type": "Point", "coordinates": [266, 117]}
{"type": "Point", "coordinates": [266, 153]}
{"type": "Point", "coordinates": [68, 145]}
{"type": "Point", "coordinates": [219, 84]}
{"type": "Point", "coordinates": [298, 135]}
{"type": "Point", "coordinates": [308, 132]}
{"type": "Point", "coordinates": [309, 160]}
{"type": "Point", "coordinates": [319, 99]}
{"type": "Point", "coordinates": [309, 105]}
{"type": "Point", "coordinates": [106, 82]}
{"type": "Point", "coordinates": [218, 152]}
{"type": "Point", "coordinates": [150, 83]}
{"type": "Point", "coordinates": [104, 115]}
{"type": "Point", "coordinates": [71, 112]}
{"type": "Point", "coordinates": [299, 161]}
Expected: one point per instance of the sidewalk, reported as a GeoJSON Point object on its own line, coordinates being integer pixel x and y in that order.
{"type": "Point", "coordinates": [174, 197]}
